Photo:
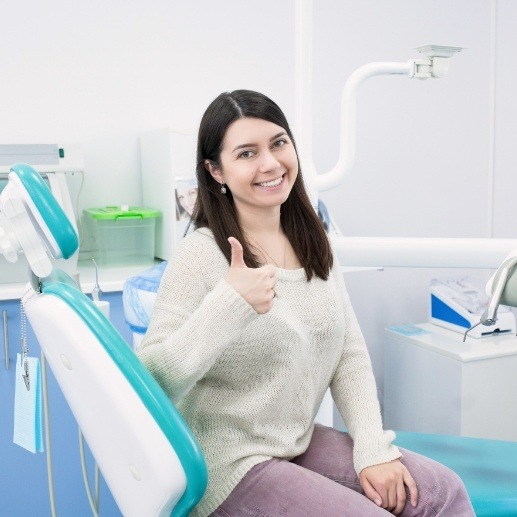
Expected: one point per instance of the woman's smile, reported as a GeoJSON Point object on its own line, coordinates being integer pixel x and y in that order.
{"type": "Point", "coordinates": [272, 184]}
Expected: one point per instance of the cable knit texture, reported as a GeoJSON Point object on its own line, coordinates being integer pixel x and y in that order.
{"type": "Point", "coordinates": [250, 385]}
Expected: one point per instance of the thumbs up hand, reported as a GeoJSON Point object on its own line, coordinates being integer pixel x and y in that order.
{"type": "Point", "coordinates": [256, 286]}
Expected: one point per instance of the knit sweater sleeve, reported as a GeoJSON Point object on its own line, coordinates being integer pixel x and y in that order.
{"type": "Point", "coordinates": [197, 314]}
{"type": "Point", "coordinates": [354, 391]}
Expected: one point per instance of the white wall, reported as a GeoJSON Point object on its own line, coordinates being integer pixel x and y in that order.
{"type": "Point", "coordinates": [433, 157]}
{"type": "Point", "coordinates": [428, 152]}
{"type": "Point", "coordinates": [99, 74]}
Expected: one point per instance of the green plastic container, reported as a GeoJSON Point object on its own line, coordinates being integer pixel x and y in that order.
{"type": "Point", "coordinates": [121, 237]}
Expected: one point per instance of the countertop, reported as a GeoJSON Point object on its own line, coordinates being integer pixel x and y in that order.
{"type": "Point", "coordinates": [111, 279]}
{"type": "Point", "coordinates": [449, 343]}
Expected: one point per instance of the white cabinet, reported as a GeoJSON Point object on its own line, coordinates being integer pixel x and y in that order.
{"type": "Point", "coordinates": [435, 383]}
{"type": "Point", "coordinates": [166, 156]}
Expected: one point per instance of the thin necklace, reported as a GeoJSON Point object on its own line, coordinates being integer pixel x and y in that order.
{"type": "Point", "coordinates": [265, 253]}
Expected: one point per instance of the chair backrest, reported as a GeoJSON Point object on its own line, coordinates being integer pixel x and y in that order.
{"type": "Point", "coordinates": [148, 456]}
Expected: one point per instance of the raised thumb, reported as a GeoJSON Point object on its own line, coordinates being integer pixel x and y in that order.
{"type": "Point", "coordinates": [237, 259]}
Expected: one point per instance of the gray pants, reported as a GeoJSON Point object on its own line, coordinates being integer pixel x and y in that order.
{"type": "Point", "coordinates": [322, 483]}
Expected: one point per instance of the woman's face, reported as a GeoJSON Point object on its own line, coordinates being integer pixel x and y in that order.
{"type": "Point", "coordinates": [258, 164]}
{"type": "Point", "coordinates": [187, 198]}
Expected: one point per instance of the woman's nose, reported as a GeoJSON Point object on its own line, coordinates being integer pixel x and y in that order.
{"type": "Point", "coordinates": [268, 162]}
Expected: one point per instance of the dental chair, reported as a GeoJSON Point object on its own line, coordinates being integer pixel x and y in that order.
{"type": "Point", "coordinates": [149, 458]}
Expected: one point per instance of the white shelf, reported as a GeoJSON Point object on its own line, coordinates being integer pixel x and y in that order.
{"type": "Point", "coordinates": [111, 279]}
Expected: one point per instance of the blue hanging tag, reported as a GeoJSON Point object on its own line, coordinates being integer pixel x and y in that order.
{"type": "Point", "coordinates": [27, 404]}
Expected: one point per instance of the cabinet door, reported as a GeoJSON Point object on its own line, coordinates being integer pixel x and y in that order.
{"type": "Point", "coordinates": [23, 475]}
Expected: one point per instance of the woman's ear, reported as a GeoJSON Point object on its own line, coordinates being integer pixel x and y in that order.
{"type": "Point", "coordinates": [214, 170]}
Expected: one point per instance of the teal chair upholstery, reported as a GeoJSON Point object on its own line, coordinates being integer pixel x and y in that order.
{"type": "Point", "coordinates": [149, 457]}
{"type": "Point", "coordinates": [487, 467]}
{"type": "Point", "coordinates": [130, 424]}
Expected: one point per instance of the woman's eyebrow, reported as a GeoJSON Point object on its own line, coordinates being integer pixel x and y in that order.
{"type": "Point", "coordinates": [282, 133]}
{"type": "Point", "coordinates": [242, 146]}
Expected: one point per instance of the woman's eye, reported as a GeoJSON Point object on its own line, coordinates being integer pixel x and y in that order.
{"type": "Point", "coordinates": [279, 143]}
{"type": "Point", "coordinates": [246, 154]}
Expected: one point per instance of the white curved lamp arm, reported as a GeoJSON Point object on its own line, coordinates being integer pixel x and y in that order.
{"type": "Point", "coordinates": [346, 158]}
{"type": "Point", "coordinates": [435, 64]}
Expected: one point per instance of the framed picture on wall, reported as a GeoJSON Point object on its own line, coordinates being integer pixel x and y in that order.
{"type": "Point", "coordinates": [185, 190]}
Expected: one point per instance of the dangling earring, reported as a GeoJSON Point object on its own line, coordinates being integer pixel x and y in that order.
{"type": "Point", "coordinates": [223, 188]}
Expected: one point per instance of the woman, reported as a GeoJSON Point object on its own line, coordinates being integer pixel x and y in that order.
{"type": "Point", "coordinates": [186, 195]}
{"type": "Point", "coordinates": [252, 324]}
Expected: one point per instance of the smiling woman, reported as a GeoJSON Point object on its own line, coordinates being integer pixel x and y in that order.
{"type": "Point", "coordinates": [252, 171]}
{"type": "Point", "coordinates": [246, 147]}
{"type": "Point", "coordinates": [252, 324]}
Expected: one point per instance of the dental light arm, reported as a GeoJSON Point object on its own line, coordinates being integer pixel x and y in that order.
{"type": "Point", "coordinates": [32, 221]}
{"type": "Point", "coordinates": [435, 64]}
{"type": "Point", "coordinates": [501, 290]}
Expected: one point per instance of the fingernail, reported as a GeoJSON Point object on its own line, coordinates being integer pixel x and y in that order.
{"type": "Point", "coordinates": [378, 502]}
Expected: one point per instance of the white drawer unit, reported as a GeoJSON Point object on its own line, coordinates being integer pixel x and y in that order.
{"type": "Point", "coordinates": [436, 383]}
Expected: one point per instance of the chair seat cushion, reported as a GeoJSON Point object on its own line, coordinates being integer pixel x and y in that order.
{"type": "Point", "coordinates": [487, 467]}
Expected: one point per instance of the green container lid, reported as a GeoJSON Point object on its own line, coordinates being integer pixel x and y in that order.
{"type": "Point", "coordinates": [115, 212]}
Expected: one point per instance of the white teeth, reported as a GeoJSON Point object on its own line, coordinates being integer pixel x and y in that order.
{"type": "Point", "coordinates": [273, 183]}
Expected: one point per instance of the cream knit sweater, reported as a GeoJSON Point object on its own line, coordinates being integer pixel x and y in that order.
{"type": "Point", "coordinates": [250, 385]}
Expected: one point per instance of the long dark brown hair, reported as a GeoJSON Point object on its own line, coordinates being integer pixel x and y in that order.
{"type": "Point", "coordinates": [216, 211]}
